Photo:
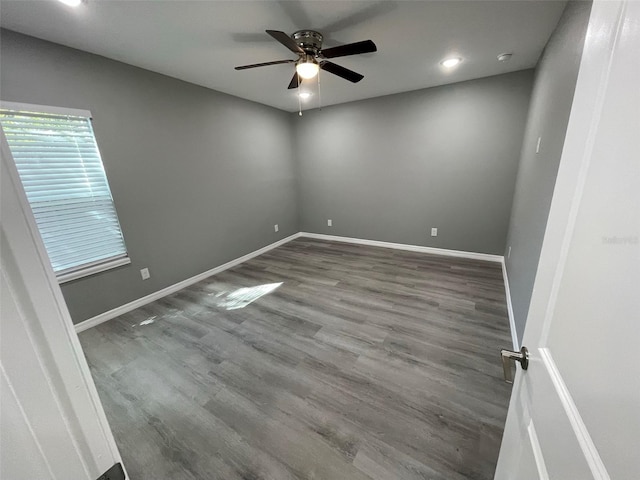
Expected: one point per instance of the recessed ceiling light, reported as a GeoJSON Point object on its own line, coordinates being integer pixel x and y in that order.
{"type": "Point", "coordinates": [504, 57]}
{"type": "Point", "coordinates": [71, 3]}
{"type": "Point", "coordinates": [451, 62]}
{"type": "Point", "coordinates": [304, 95]}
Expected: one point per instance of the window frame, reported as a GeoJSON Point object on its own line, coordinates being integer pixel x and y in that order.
{"type": "Point", "coordinates": [90, 268]}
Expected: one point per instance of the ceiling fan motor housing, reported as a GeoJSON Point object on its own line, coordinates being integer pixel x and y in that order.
{"type": "Point", "coordinates": [309, 40]}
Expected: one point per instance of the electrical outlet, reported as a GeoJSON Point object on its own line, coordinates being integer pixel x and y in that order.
{"type": "Point", "coordinates": [145, 273]}
{"type": "Point", "coordinates": [329, 223]}
{"type": "Point", "coordinates": [509, 253]}
{"type": "Point", "coordinates": [538, 145]}
{"type": "Point", "coordinates": [276, 228]}
{"type": "Point", "coordinates": [434, 232]}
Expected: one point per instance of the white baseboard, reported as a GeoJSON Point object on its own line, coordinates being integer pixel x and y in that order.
{"type": "Point", "coordinates": [103, 317]}
{"type": "Point", "coordinates": [403, 246]}
{"type": "Point", "coordinates": [152, 297]}
{"type": "Point", "coordinates": [512, 320]}
{"type": "Point", "coordinates": [436, 251]}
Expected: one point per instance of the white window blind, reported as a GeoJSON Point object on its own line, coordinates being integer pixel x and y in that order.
{"type": "Point", "coordinates": [60, 167]}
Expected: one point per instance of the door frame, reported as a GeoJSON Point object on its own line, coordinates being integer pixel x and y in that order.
{"type": "Point", "coordinates": [50, 331]}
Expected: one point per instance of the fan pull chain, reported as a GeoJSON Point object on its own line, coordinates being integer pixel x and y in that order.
{"type": "Point", "coordinates": [299, 100]}
{"type": "Point", "coordinates": [319, 94]}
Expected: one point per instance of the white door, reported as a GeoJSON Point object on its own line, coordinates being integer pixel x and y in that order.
{"type": "Point", "coordinates": [575, 412]}
{"type": "Point", "coordinates": [52, 425]}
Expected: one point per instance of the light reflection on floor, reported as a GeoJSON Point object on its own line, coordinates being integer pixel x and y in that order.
{"type": "Point", "coordinates": [148, 321]}
{"type": "Point", "coordinates": [239, 298]}
{"type": "Point", "coordinates": [242, 297]}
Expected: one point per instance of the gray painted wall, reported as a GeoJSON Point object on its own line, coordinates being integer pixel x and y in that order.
{"type": "Point", "coordinates": [385, 169]}
{"type": "Point", "coordinates": [391, 168]}
{"type": "Point", "coordinates": [551, 100]}
{"type": "Point", "coordinates": [198, 177]}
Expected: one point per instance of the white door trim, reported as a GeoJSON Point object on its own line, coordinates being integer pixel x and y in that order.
{"type": "Point", "coordinates": [589, 449]}
{"type": "Point", "coordinates": [25, 418]}
{"type": "Point", "coordinates": [537, 451]}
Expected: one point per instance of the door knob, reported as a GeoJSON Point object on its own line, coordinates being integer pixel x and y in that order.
{"type": "Point", "coordinates": [507, 356]}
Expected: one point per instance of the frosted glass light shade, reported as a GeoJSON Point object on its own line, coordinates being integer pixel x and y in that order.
{"type": "Point", "coordinates": [307, 70]}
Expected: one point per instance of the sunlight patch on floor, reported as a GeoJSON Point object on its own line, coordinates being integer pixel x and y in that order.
{"type": "Point", "coordinates": [242, 297]}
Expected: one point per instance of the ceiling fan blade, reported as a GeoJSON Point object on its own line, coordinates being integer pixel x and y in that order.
{"type": "Point", "coordinates": [295, 81]}
{"type": "Point", "coordinates": [265, 64]}
{"type": "Point", "coordinates": [285, 40]}
{"type": "Point", "coordinates": [345, 73]}
{"type": "Point", "coordinates": [366, 46]}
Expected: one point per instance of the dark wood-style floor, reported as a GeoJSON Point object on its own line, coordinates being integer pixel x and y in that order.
{"type": "Point", "coordinates": [355, 363]}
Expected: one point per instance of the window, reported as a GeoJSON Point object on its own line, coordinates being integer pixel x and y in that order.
{"type": "Point", "coordinates": [59, 163]}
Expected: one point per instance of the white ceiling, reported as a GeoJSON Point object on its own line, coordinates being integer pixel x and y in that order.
{"type": "Point", "coordinates": [201, 41]}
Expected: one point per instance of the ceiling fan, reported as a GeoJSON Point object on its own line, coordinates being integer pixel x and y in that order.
{"type": "Point", "coordinates": [307, 44]}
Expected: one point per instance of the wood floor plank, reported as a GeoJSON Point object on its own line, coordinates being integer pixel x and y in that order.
{"type": "Point", "coordinates": [316, 360]}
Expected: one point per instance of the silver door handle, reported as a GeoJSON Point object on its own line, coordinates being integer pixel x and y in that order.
{"type": "Point", "coordinates": [507, 355]}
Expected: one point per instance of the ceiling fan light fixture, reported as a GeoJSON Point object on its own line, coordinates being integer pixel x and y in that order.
{"type": "Point", "coordinates": [307, 69]}
{"type": "Point", "coordinates": [451, 62]}
{"type": "Point", "coordinates": [307, 45]}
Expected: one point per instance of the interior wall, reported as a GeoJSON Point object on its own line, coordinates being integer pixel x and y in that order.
{"type": "Point", "coordinates": [391, 168]}
{"type": "Point", "coordinates": [551, 100]}
{"type": "Point", "coordinates": [387, 169]}
{"type": "Point", "coordinates": [198, 177]}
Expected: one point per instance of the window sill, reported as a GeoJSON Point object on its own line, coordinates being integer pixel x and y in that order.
{"type": "Point", "coordinates": [85, 272]}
